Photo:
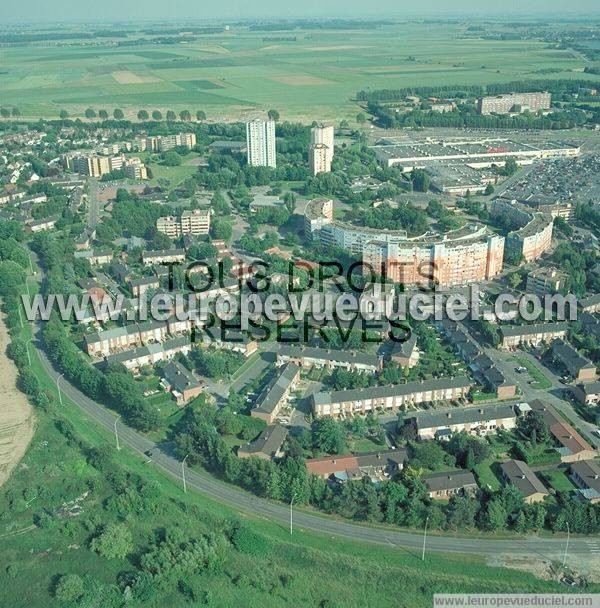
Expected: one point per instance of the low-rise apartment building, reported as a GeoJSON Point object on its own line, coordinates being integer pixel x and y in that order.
{"type": "Point", "coordinates": [194, 223]}
{"type": "Point", "coordinates": [164, 256]}
{"type": "Point", "coordinates": [96, 257]}
{"type": "Point", "coordinates": [150, 354]}
{"type": "Point", "coordinates": [534, 334]}
{"type": "Point", "coordinates": [545, 281]}
{"type": "Point", "coordinates": [396, 397]}
{"type": "Point", "coordinates": [579, 368]}
{"type": "Point", "coordinates": [276, 395]}
{"type": "Point", "coordinates": [480, 421]}
{"type": "Point", "coordinates": [588, 393]}
{"type": "Point", "coordinates": [591, 304]}
{"type": "Point", "coordinates": [306, 356]}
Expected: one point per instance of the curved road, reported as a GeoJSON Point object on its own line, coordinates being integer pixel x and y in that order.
{"type": "Point", "coordinates": [245, 502]}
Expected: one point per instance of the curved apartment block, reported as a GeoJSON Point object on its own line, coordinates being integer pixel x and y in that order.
{"type": "Point", "coordinates": [462, 256]}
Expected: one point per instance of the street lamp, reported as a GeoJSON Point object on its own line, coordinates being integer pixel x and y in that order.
{"type": "Point", "coordinates": [291, 514]}
{"type": "Point", "coordinates": [27, 350]}
{"type": "Point", "coordinates": [58, 387]}
{"type": "Point", "coordinates": [424, 539]}
{"type": "Point", "coordinates": [567, 545]}
{"type": "Point", "coordinates": [117, 433]}
{"type": "Point", "coordinates": [183, 473]}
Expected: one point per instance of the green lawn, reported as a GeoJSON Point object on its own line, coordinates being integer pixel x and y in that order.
{"type": "Point", "coordinates": [363, 445]}
{"type": "Point", "coordinates": [485, 475]}
{"type": "Point", "coordinates": [541, 380]}
{"type": "Point", "coordinates": [558, 480]}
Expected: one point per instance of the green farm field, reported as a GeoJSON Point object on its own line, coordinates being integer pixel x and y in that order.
{"type": "Point", "coordinates": [306, 75]}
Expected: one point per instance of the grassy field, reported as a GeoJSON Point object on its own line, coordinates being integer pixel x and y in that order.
{"type": "Point", "coordinates": [540, 380]}
{"type": "Point", "coordinates": [358, 575]}
{"type": "Point", "coordinates": [558, 480]}
{"type": "Point", "coordinates": [231, 75]}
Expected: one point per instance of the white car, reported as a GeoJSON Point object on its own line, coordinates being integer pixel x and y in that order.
{"type": "Point", "coordinates": [597, 432]}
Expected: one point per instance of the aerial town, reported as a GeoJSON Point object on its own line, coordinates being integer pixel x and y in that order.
{"type": "Point", "coordinates": [486, 426]}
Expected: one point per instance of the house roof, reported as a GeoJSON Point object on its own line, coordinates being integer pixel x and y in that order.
{"type": "Point", "coordinates": [568, 438]}
{"type": "Point", "coordinates": [426, 420]}
{"type": "Point", "coordinates": [395, 390]}
{"type": "Point", "coordinates": [322, 354]}
{"type": "Point", "coordinates": [272, 395]}
{"type": "Point", "coordinates": [590, 388]}
{"type": "Point", "coordinates": [269, 442]}
{"type": "Point", "coordinates": [570, 358]}
{"type": "Point", "coordinates": [449, 480]}
{"type": "Point", "coordinates": [592, 300]}
{"type": "Point", "coordinates": [523, 478]}
{"type": "Point", "coordinates": [589, 472]}
{"type": "Point", "coordinates": [536, 328]}
{"type": "Point", "coordinates": [180, 378]}
{"type": "Point", "coordinates": [350, 463]}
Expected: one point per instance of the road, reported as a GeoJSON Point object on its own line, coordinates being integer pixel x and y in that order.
{"type": "Point", "coordinates": [539, 548]}
{"type": "Point", "coordinates": [93, 203]}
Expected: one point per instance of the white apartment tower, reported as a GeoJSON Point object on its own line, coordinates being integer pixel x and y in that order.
{"type": "Point", "coordinates": [260, 143]}
{"type": "Point", "coordinates": [320, 151]}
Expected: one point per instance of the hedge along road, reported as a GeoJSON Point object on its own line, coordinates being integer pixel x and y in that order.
{"type": "Point", "coordinates": [247, 503]}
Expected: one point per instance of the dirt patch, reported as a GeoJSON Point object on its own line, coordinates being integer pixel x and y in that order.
{"type": "Point", "coordinates": [17, 422]}
{"type": "Point", "coordinates": [128, 77]}
{"type": "Point", "coordinates": [300, 80]}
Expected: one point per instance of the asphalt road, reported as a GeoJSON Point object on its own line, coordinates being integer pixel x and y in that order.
{"type": "Point", "coordinates": [539, 548]}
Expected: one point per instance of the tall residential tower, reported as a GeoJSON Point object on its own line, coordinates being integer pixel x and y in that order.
{"type": "Point", "coordinates": [320, 151]}
{"type": "Point", "coordinates": [260, 143]}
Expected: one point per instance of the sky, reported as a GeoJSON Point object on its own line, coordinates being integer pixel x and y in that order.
{"type": "Point", "coordinates": [62, 11]}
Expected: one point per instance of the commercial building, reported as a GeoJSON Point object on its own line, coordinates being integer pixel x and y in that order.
{"type": "Point", "coordinates": [277, 393]}
{"type": "Point", "coordinates": [260, 143]}
{"type": "Point", "coordinates": [321, 149]}
{"type": "Point", "coordinates": [578, 367]}
{"type": "Point", "coordinates": [532, 230]}
{"type": "Point", "coordinates": [545, 281]}
{"type": "Point", "coordinates": [268, 445]}
{"type": "Point", "coordinates": [480, 421]}
{"type": "Point", "coordinates": [518, 474]}
{"type": "Point", "coordinates": [442, 486]}
{"type": "Point", "coordinates": [306, 356]}
{"type": "Point", "coordinates": [586, 475]}
{"type": "Point", "coordinates": [477, 152]}
{"type": "Point", "coordinates": [194, 223]}
{"type": "Point", "coordinates": [395, 397]}
{"type": "Point", "coordinates": [376, 465]}
{"type": "Point", "coordinates": [534, 334]}
{"type": "Point", "coordinates": [461, 256]}
{"type": "Point", "coordinates": [514, 103]}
